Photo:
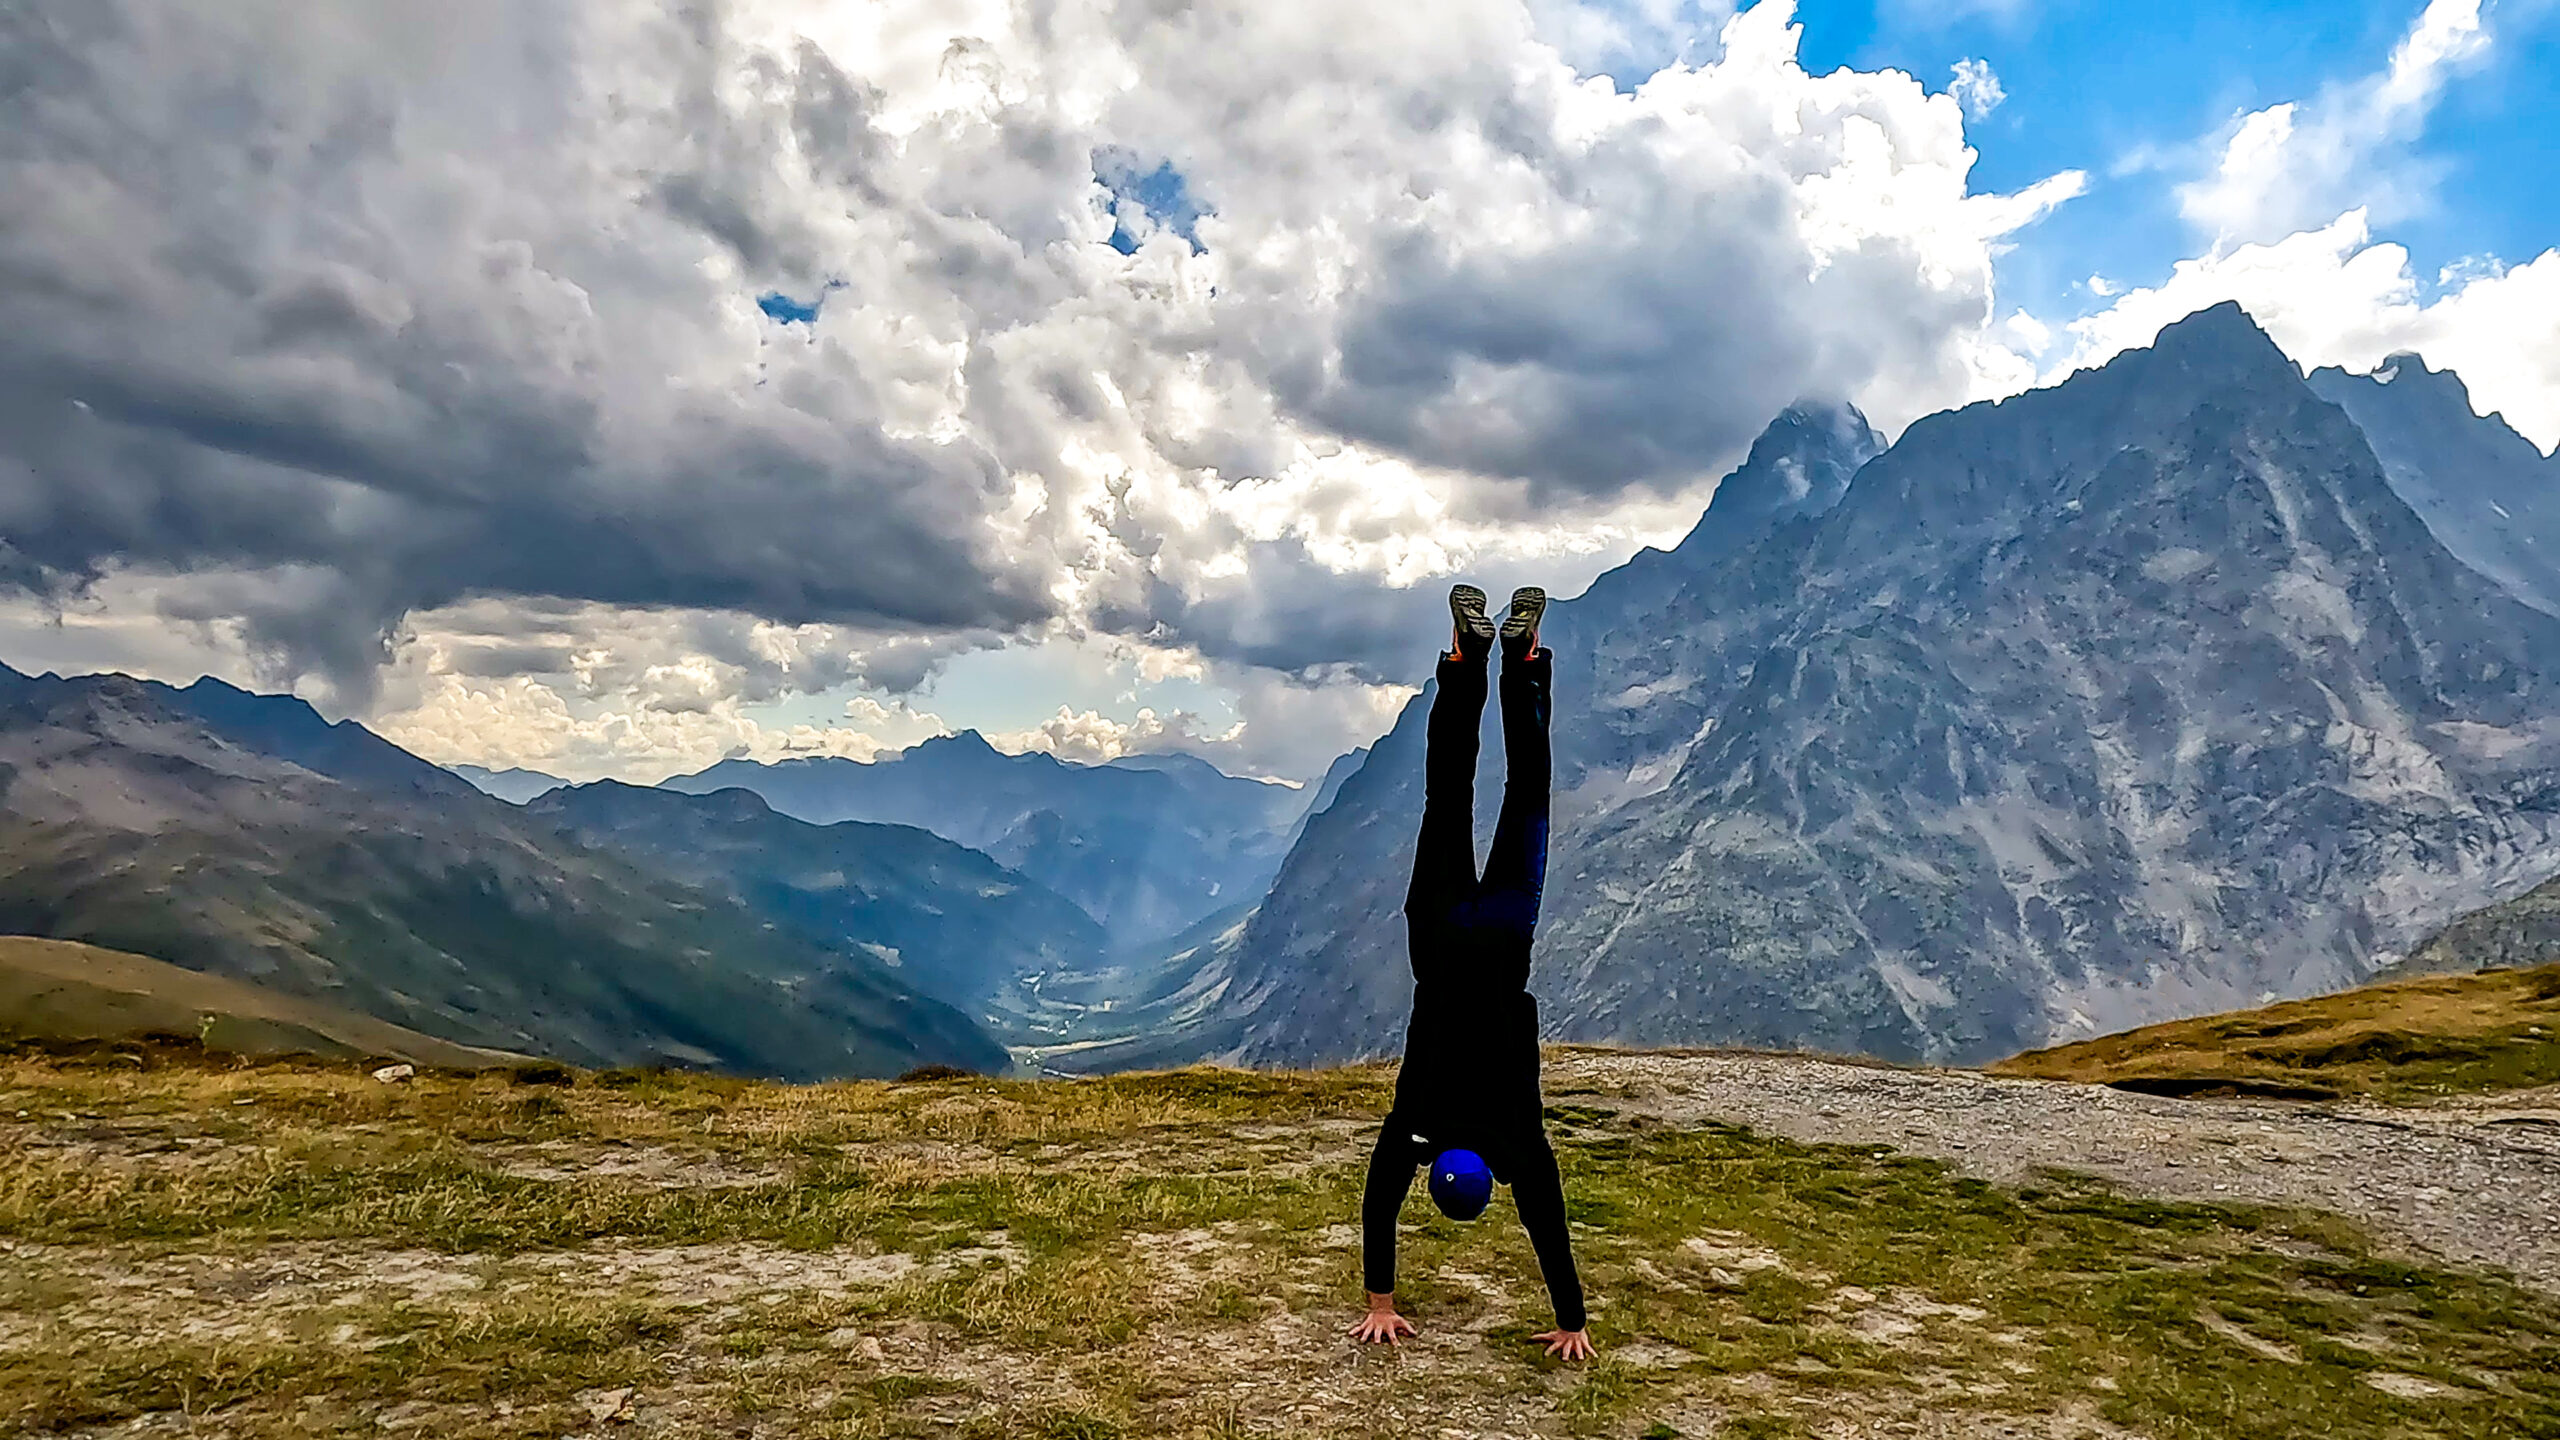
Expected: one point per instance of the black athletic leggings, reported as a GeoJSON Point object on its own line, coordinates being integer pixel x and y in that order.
{"type": "Point", "coordinates": [1446, 893]}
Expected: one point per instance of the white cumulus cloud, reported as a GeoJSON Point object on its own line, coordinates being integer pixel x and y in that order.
{"type": "Point", "coordinates": [2292, 209]}
{"type": "Point", "coordinates": [2337, 296]}
{"type": "Point", "coordinates": [1976, 87]}
{"type": "Point", "coordinates": [2293, 166]}
{"type": "Point", "coordinates": [1092, 738]}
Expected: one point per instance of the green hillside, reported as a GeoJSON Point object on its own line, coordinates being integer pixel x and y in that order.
{"type": "Point", "coordinates": [2404, 1040]}
{"type": "Point", "coordinates": [60, 990]}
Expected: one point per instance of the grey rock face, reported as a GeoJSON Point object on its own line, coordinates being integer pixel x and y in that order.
{"type": "Point", "coordinates": [1147, 847]}
{"type": "Point", "coordinates": [2513, 934]}
{"type": "Point", "coordinates": [2140, 696]}
{"type": "Point", "coordinates": [2483, 490]}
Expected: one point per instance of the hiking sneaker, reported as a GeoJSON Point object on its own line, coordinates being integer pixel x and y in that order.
{"type": "Point", "coordinates": [1471, 636]}
{"type": "Point", "coordinates": [1520, 627]}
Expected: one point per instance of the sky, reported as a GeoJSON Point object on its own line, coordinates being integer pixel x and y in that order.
{"type": "Point", "coordinates": [609, 389]}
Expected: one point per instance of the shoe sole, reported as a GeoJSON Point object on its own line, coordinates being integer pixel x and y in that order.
{"type": "Point", "coordinates": [1528, 607]}
{"type": "Point", "coordinates": [1466, 607]}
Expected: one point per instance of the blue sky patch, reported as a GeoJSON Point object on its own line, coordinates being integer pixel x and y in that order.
{"type": "Point", "coordinates": [1145, 200]}
{"type": "Point", "coordinates": [2137, 96]}
{"type": "Point", "coordinates": [788, 311]}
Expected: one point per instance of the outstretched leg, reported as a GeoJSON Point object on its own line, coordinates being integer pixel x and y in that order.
{"type": "Point", "coordinates": [1444, 857]}
{"type": "Point", "coordinates": [1516, 869]}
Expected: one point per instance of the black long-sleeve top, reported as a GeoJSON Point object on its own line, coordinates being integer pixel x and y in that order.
{"type": "Point", "coordinates": [1525, 1161]}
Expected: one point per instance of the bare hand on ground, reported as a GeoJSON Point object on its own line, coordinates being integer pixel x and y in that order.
{"type": "Point", "coordinates": [1382, 1323]}
{"type": "Point", "coordinates": [1567, 1344]}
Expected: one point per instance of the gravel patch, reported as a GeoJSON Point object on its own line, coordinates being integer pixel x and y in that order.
{"type": "Point", "coordinates": [2475, 1181]}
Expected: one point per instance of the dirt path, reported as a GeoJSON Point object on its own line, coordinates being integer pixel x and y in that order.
{"type": "Point", "coordinates": [2473, 1181]}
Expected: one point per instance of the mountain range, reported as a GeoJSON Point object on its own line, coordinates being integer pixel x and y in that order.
{"type": "Point", "coordinates": [1147, 845]}
{"type": "Point", "coordinates": [949, 920]}
{"type": "Point", "coordinates": [244, 836]}
{"type": "Point", "coordinates": [2143, 695]}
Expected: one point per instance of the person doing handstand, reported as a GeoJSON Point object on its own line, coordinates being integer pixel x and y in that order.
{"type": "Point", "coordinates": [1467, 1097]}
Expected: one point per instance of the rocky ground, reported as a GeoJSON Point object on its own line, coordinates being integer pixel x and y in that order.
{"type": "Point", "coordinates": [2473, 1180]}
{"type": "Point", "coordinates": [1775, 1247]}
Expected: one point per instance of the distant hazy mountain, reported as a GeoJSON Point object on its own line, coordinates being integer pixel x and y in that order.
{"type": "Point", "coordinates": [2136, 697]}
{"type": "Point", "coordinates": [2485, 491]}
{"type": "Point", "coordinates": [244, 836]}
{"type": "Point", "coordinates": [1147, 846]}
{"type": "Point", "coordinates": [1322, 796]}
{"type": "Point", "coordinates": [950, 921]}
{"type": "Point", "coordinates": [513, 786]}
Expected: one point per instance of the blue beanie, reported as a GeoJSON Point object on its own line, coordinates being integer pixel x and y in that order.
{"type": "Point", "coordinates": [1461, 1184]}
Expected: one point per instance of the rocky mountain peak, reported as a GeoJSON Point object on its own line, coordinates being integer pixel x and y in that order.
{"type": "Point", "coordinates": [2408, 367]}
{"type": "Point", "coordinates": [1800, 465]}
{"type": "Point", "coordinates": [2216, 344]}
{"type": "Point", "coordinates": [2010, 466]}
{"type": "Point", "coordinates": [1797, 469]}
{"type": "Point", "coordinates": [2137, 696]}
{"type": "Point", "coordinates": [961, 749]}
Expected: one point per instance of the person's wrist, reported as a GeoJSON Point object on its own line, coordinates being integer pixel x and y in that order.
{"type": "Point", "coordinates": [1379, 1303]}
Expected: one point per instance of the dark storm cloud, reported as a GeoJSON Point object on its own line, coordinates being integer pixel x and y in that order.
{"type": "Point", "coordinates": [223, 347]}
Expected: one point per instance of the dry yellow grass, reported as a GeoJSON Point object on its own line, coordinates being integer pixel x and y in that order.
{"type": "Point", "coordinates": [2406, 1040]}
